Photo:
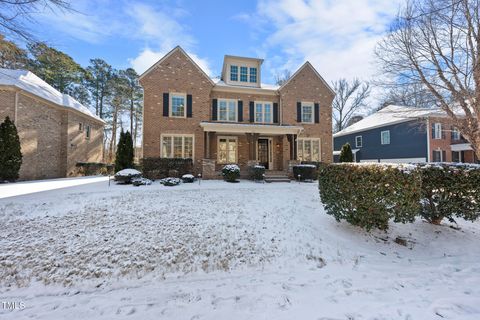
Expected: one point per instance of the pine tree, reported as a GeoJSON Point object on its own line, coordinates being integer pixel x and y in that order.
{"type": "Point", "coordinates": [10, 152]}
{"type": "Point", "coordinates": [346, 154]}
{"type": "Point", "coordinates": [124, 155]}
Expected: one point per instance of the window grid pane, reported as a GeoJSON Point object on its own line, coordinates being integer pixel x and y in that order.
{"type": "Point", "coordinates": [315, 150]}
{"type": "Point", "coordinates": [177, 147]}
{"type": "Point", "coordinates": [234, 73]}
{"type": "Point", "coordinates": [222, 110]}
{"type": "Point", "coordinates": [307, 114]}
{"type": "Point", "coordinates": [167, 147]}
{"type": "Point", "coordinates": [253, 74]}
{"type": "Point", "coordinates": [267, 113]}
{"type": "Point", "coordinates": [188, 147]}
{"type": "Point", "coordinates": [243, 74]}
{"type": "Point", "coordinates": [259, 113]}
{"type": "Point", "coordinates": [178, 106]}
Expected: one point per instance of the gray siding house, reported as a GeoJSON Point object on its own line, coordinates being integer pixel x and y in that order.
{"type": "Point", "coordinates": [399, 134]}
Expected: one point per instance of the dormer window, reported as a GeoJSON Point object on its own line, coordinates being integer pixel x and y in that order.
{"type": "Point", "coordinates": [233, 73]}
{"type": "Point", "coordinates": [253, 75]}
{"type": "Point", "coordinates": [243, 74]}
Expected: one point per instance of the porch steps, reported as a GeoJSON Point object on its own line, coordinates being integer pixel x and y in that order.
{"type": "Point", "coordinates": [276, 176]}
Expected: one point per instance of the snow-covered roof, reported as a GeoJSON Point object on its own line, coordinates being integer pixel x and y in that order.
{"type": "Point", "coordinates": [29, 82]}
{"type": "Point", "coordinates": [264, 86]}
{"type": "Point", "coordinates": [387, 116]}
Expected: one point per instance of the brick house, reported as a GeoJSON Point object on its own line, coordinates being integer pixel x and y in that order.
{"type": "Point", "coordinates": [405, 134]}
{"type": "Point", "coordinates": [55, 130]}
{"type": "Point", "coordinates": [237, 118]}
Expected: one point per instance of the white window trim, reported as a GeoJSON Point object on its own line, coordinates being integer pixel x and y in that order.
{"type": "Point", "coordinates": [238, 73]}
{"type": "Point", "coordinates": [236, 150]}
{"type": "Point", "coordinates": [170, 109]}
{"type": "Point", "coordinates": [236, 109]}
{"type": "Point", "coordinates": [308, 104]}
{"type": "Point", "coordinates": [437, 133]}
{"type": "Point", "coordinates": [356, 142]}
{"type": "Point", "coordinates": [381, 137]}
{"type": "Point", "coordinates": [263, 111]}
{"type": "Point", "coordinates": [183, 144]}
{"type": "Point", "coordinates": [303, 147]}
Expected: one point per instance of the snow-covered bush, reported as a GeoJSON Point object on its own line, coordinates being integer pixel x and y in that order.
{"type": "Point", "coordinates": [369, 195]}
{"type": "Point", "coordinates": [141, 182]}
{"type": "Point", "coordinates": [257, 172]}
{"type": "Point", "coordinates": [188, 178]}
{"type": "Point", "coordinates": [305, 171]}
{"type": "Point", "coordinates": [127, 175]}
{"type": "Point", "coordinates": [450, 190]}
{"type": "Point", "coordinates": [170, 182]}
{"type": "Point", "coordinates": [231, 172]}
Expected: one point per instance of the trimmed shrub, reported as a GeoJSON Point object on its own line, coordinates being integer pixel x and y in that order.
{"type": "Point", "coordinates": [305, 171]}
{"type": "Point", "coordinates": [346, 154]}
{"type": "Point", "coordinates": [257, 173]}
{"type": "Point", "coordinates": [369, 195]}
{"type": "Point", "coordinates": [93, 168]}
{"type": "Point", "coordinates": [450, 190]}
{"type": "Point", "coordinates": [188, 178]}
{"type": "Point", "coordinates": [159, 168]}
{"type": "Point", "coordinates": [10, 151]}
{"type": "Point", "coordinates": [127, 175]}
{"type": "Point", "coordinates": [231, 172]}
{"type": "Point", "coordinates": [141, 182]}
{"type": "Point", "coordinates": [170, 182]}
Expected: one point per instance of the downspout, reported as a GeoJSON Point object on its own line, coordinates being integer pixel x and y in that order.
{"type": "Point", "coordinates": [428, 140]}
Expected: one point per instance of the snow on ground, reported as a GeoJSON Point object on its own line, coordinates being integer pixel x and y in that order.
{"type": "Point", "coordinates": [219, 250]}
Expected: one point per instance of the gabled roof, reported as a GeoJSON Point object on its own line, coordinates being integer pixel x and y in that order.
{"type": "Point", "coordinates": [307, 64]}
{"type": "Point", "coordinates": [177, 48]}
{"type": "Point", "coordinates": [31, 83]}
{"type": "Point", "coordinates": [388, 116]}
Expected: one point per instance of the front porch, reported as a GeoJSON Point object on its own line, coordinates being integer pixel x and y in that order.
{"type": "Point", "coordinates": [273, 146]}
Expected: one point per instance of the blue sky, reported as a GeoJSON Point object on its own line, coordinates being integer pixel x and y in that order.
{"type": "Point", "coordinates": [337, 36]}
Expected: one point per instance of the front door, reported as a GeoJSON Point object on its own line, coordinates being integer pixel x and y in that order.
{"type": "Point", "coordinates": [263, 153]}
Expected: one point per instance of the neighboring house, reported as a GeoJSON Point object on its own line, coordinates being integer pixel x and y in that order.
{"type": "Point", "coordinates": [55, 130]}
{"type": "Point", "coordinates": [234, 119]}
{"type": "Point", "coordinates": [404, 134]}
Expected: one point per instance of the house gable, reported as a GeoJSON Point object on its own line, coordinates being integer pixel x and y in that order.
{"type": "Point", "coordinates": [307, 71]}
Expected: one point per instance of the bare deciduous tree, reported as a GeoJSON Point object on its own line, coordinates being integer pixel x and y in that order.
{"type": "Point", "coordinates": [436, 44]}
{"type": "Point", "coordinates": [350, 98]}
{"type": "Point", "coordinates": [413, 95]}
{"type": "Point", "coordinates": [281, 78]}
{"type": "Point", "coordinates": [15, 15]}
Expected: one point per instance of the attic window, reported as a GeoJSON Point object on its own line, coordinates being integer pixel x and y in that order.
{"type": "Point", "coordinates": [253, 75]}
{"type": "Point", "coordinates": [233, 73]}
{"type": "Point", "coordinates": [243, 74]}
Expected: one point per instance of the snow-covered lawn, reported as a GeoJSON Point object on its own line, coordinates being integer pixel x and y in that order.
{"type": "Point", "coordinates": [224, 251]}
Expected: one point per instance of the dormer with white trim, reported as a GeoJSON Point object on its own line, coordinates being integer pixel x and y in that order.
{"type": "Point", "coordinates": [242, 71]}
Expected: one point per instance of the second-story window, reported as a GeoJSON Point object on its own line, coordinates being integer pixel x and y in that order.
{"type": "Point", "coordinates": [233, 73]}
{"type": "Point", "coordinates": [253, 75]}
{"type": "Point", "coordinates": [263, 112]}
{"type": "Point", "coordinates": [227, 110]}
{"type": "Point", "coordinates": [455, 134]}
{"type": "Point", "coordinates": [385, 137]}
{"type": "Point", "coordinates": [243, 74]}
{"type": "Point", "coordinates": [358, 141]}
{"type": "Point", "coordinates": [307, 112]}
{"type": "Point", "coordinates": [437, 131]}
{"type": "Point", "coordinates": [178, 105]}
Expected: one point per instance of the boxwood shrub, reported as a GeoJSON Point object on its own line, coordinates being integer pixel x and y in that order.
{"type": "Point", "coordinates": [257, 172]}
{"type": "Point", "coordinates": [305, 171]}
{"type": "Point", "coordinates": [450, 190]}
{"type": "Point", "coordinates": [93, 168]}
{"type": "Point", "coordinates": [369, 195]}
{"type": "Point", "coordinates": [159, 168]}
{"type": "Point", "coordinates": [231, 172]}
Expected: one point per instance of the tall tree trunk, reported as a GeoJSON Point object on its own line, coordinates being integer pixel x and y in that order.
{"type": "Point", "coordinates": [113, 141]}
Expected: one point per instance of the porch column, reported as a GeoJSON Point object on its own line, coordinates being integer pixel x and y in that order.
{"type": "Point", "coordinates": [207, 145]}
{"type": "Point", "coordinates": [295, 151]}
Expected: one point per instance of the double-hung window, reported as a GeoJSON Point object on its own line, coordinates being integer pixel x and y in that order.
{"type": "Point", "coordinates": [253, 75]}
{"type": "Point", "coordinates": [227, 150]}
{"type": "Point", "coordinates": [227, 110]}
{"type": "Point", "coordinates": [455, 134]}
{"type": "Point", "coordinates": [233, 73]}
{"type": "Point", "coordinates": [437, 131]}
{"type": "Point", "coordinates": [385, 137]}
{"type": "Point", "coordinates": [243, 74]}
{"type": "Point", "coordinates": [88, 132]}
{"type": "Point", "coordinates": [358, 141]}
{"type": "Point", "coordinates": [309, 149]}
{"type": "Point", "coordinates": [177, 101]}
{"type": "Point", "coordinates": [177, 146]}
{"type": "Point", "coordinates": [437, 156]}
{"type": "Point", "coordinates": [307, 112]}
{"type": "Point", "coordinates": [263, 112]}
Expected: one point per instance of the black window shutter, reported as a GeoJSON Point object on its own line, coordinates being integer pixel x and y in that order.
{"type": "Point", "coordinates": [433, 130]}
{"type": "Point", "coordinates": [240, 110]}
{"type": "Point", "coordinates": [317, 113]}
{"type": "Point", "coordinates": [299, 112]}
{"type": "Point", "coordinates": [444, 156]}
{"type": "Point", "coordinates": [252, 112]}
{"type": "Point", "coordinates": [443, 133]}
{"type": "Point", "coordinates": [189, 105]}
{"type": "Point", "coordinates": [166, 101]}
{"type": "Point", "coordinates": [275, 112]}
{"type": "Point", "coordinates": [214, 109]}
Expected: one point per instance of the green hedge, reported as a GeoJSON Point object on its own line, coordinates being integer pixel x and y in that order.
{"type": "Point", "coordinates": [159, 168]}
{"type": "Point", "coordinates": [305, 171]}
{"type": "Point", "coordinates": [450, 190]}
{"type": "Point", "coordinates": [370, 195]}
{"type": "Point", "coordinates": [93, 168]}
{"type": "Point", "coordinates": [257, 173]}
